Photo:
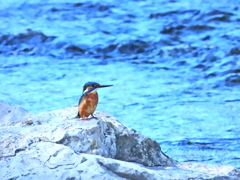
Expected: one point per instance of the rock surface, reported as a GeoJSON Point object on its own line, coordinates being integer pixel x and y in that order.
{"type": "Point", "coordinates": [54, 145]}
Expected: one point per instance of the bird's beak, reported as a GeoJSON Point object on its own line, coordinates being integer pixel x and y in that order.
{"type": "Point", "coordinates": [102, 86]}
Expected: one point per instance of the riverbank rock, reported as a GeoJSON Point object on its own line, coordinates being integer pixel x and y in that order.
{"type": "Point", "coordinates": [55, 145]}
{"type": "Point", "coordinates": [11, 115]}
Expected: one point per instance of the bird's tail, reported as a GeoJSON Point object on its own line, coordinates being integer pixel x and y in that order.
{"type": "Point", "coordinates": [78, 115]}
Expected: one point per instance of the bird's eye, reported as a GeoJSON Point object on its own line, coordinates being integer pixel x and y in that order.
{"type": "Point", "coordinates": [95, 85]}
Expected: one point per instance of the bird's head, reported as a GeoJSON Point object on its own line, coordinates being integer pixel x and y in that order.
{"type": "Point", "coordinates": [92, 86]}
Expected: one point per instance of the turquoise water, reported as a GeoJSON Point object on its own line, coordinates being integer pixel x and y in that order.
{"type": "Point", "coordinates": [174, 66]}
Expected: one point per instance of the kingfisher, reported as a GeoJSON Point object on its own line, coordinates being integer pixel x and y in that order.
{"type": "Point", "coordinates": [89, 100]}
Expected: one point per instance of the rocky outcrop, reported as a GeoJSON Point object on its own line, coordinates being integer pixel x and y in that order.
{"type": "Point", "coordinates": [11, 115]}
{"type": "Point", "coordinates": [54, 145]}
{"type": "Point", "coordinates": [105, 136]}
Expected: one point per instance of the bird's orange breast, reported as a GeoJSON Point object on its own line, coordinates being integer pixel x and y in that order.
{"type": "Point", "coordinates": [88, 104]}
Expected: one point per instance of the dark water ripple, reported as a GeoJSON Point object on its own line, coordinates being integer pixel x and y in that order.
{"type": "Point", "coordinates": [174, 65]}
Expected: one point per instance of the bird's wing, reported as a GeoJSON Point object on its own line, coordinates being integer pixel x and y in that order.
{"type": "Point", "coordinates": [84, 94]}
{"type": "Point", "coordinates": [81, 98]}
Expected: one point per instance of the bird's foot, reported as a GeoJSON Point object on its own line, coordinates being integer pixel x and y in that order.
{"type": "Point", "coordinates": [88, 119]}
{"type": "Point", "coordinates": [92, 116]}
{"type": "Point", "coordinates": [85, 119]}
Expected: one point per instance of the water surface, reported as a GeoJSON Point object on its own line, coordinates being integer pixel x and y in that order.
{"type": "Point", "coordinates": [174, 66]}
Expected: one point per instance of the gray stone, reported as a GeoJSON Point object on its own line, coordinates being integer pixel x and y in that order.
{"type": "Point", "coordinates": [54, 145]}
{"type": "Point", "coordinates": [11, 115]}
{"type": "Point", "coordinates": [105, 136]}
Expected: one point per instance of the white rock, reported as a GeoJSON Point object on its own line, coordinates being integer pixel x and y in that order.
{"type": "Point", "coordinates": [54, 145]}
{"type": "Point", "coordinates": [11, 115]}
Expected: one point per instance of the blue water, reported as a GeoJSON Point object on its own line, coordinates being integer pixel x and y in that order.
{"type": "Point", "coordinates": [174, 66]}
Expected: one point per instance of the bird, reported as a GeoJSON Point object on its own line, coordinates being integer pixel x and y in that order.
{"type": "Point", "coordinates": [89, 100]}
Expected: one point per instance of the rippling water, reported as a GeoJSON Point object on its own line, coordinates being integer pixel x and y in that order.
{"type": "Point", "coordinates": [174, 66]}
